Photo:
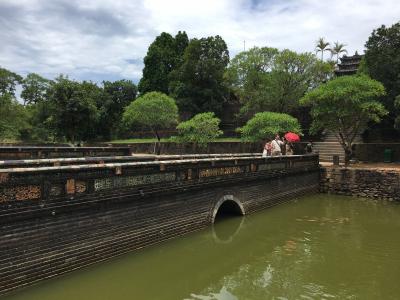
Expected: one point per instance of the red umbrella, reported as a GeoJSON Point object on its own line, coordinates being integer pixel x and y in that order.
{"type": "Point", "coordinates": [292, 137]}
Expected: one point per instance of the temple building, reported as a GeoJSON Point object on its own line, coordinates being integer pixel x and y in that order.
{"type": "Point", "coordinates": [348, 64]}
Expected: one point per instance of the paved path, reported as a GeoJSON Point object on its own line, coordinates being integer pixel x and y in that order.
{"type": "Point", "coordinates": [378, 166]}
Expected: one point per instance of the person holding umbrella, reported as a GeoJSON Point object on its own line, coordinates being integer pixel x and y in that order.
{"type": "Point", "coordinates": [291, 138]}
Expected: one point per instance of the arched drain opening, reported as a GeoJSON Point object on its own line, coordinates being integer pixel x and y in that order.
{"type": "Point", "coordinates": [225, 232]}
{"type": "Point", "coordinates": [227, 209]}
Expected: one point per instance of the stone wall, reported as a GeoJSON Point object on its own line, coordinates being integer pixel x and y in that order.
{"type": "Point", "coordinates": [368, 183]}
{"type": "Point", "coordinates": [58, 219]}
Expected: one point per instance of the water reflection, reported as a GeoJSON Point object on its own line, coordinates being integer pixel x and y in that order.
{"type": "Point", "coordinates": [321, 247]}
{"type": "Point", "coordinates": [225, 229]}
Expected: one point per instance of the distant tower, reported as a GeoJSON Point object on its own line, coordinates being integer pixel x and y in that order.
{"type": "Point", "coordinates": [348, 64]}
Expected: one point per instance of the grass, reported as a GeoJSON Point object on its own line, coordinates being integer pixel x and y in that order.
{"type": "Point", "coordinates": [153, 140]}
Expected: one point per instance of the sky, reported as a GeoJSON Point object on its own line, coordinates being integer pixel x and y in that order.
{"type": "Point", "coordinates": [107, 39]}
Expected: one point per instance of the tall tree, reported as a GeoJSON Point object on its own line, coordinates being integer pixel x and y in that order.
{"type": "Point", "coordinates": [75, 115]}
{"type": "Point", "coordinates": [265, 79]}
{"type": "Point", "coordinates": [117, 95]}
{"type": "Point", "coordinates": [198, 85]}
{"type": "Point", "coordinates": [337, 49]}
{"type": "Point", "coordinates": [248, 76]}
{"type": "Point", "coordinates": [163, 56]}
{"type": "Point", "coordinates": [34, 88]}
{"type": "Point", "coordinates": [382, 61]}
{"type": "Point", "coordinates": [344, 106]}
{"type": "Point", "coordinates": [322, 46]}
{"type": "Point", "coordinates": [8, 82]}
{"type": "Point", "coordinates": [13, 117]}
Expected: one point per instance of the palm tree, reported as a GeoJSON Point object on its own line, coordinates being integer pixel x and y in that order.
{"type": "Point", "coordinates": [321, 47]}
{"type": "Point", "coordinates": [337, 49]}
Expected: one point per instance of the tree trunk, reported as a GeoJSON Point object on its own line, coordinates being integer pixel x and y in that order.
{"type": "Point", "coordinates": [348, 153]}
{"type": "Point", "coordinates": [158, 145]}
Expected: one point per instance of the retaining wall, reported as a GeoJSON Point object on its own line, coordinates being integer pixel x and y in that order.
{"type": "Point", "coordinates": [367, 183]}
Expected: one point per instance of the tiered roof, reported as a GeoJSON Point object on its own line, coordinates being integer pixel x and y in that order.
{"type": "Point", "coordinates": [348, 64]}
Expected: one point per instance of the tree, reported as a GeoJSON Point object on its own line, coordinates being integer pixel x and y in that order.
{"type": "Point", "coordinates": [164, 55]}
{"type": "Point", "coordinates": [201, 129]}
{"type": "Point", "coordinates": [337, 49]}
{"type": "Point", "coordinates": [154, 110]}
{"type": "Point", "coordinates": [382, 62]}
{"type": "Point", "coordinates": [322, 46]}
{"type": "Point", "coordinates": [75, 114]}
{"type": "Point", "coordinates": [265, 79]}
{"type": "Point", "coordinates": [344, 106]}
{"type": "Point", "coordinates": [117, 95]}
{"type": "Point", "coordinates": [265, 125]}
{"type": "Point", "coordinates": [13, 117]}
{"type": "Point", "coordinates": [248, 75]}
{"type": "Point", "coordinates": [8, 82]}
{"type": "Point", "coordinates": [34, 88]}
{"type": "Point", "coordinates": [198, 85]}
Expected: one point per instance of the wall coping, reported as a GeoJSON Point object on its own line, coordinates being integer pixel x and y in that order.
{"type": "Point", "coordinates": [149, 163]}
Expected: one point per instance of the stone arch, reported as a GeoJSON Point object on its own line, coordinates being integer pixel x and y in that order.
{"type": "Point", "coordinates": [228, 203]}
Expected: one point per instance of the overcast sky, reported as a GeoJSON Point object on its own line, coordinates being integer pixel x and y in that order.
{"type": "Point", "coordinates": [107, 39]}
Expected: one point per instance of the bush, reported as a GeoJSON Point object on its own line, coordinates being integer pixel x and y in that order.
{"type": "Point", "coordinates": [265, 125]}
{"type": "Point", "coordinates": [201, 129]}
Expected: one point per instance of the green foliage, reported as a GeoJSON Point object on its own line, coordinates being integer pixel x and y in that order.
{"type": "Point", "coordinates": [75, 114]}
{"type": "Point", "coordinates": [198, 85]}
{"type": "Point", "coordinates": [201, 129]}
{"type": "Point", "coordinates": [382, 62]}
{"type": "Point", "coordinates": [265, 79]}
{"type": "Point", "coordinates": [117, 95]}
{"type": "Point", "coordinates": [41, 120]}
{"type": "Point", "coordinates": [154, 110]}
{"type": "Point", "coordinates": [13, 118]}
{"type": "Point", "coordinates": [164, 55]}
{"type": "Point", "coordinates": [34, 88]}
{"type": "Point", "coordinates": [344, 106]}
{"type": "Point", "coordinates": [382, 59]}
{"type": "Point", "coordinates": [265, 125]}
{"type": "Point", "coordinates": [8, 82]}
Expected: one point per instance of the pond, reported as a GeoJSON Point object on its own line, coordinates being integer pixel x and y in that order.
{"type": "Point", "coordinates": [315, 247]}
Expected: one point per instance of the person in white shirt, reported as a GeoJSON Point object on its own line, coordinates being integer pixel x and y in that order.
{"type": "Point", "coordinates": [276, 146]}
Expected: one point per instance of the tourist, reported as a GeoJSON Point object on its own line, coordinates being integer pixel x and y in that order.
{"type": "Point", "coordinates": [309, 147]}
{"type": "Point", "coordinates": [267, 149]}
{"type": "Point", "coordinates": [276, 146]}
{"type": "Point", "coordinates": [289, 148]}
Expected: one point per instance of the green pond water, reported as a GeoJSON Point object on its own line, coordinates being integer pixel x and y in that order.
{"type": "Point", "coordinates": [317, 247]}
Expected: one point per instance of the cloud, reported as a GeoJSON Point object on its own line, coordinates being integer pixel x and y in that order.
{"type": "Point", "coordinates": [107, 39]}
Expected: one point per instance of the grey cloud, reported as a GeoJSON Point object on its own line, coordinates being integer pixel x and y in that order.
{"type": "Point", "coordinates": [96, 21]}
